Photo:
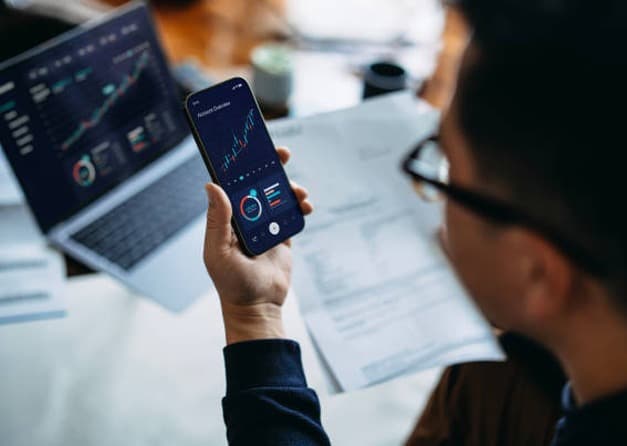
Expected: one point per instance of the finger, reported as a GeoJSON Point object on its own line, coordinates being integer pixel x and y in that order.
{"type": "Point", "coordinates": [300, 192]}
{"type": "Point", "coordinates": [284, 154]}
{"type": "Point", "coordinates": [218, 233]}
{"type": "Point", "coordinates": [306, 207]}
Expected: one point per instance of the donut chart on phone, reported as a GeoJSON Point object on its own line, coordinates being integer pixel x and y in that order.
{"type": "Point", "coordinates": [250, 206]}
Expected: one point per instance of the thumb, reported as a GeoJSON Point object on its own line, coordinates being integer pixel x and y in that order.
{"type": "Point", "coordinates": [218, 231]}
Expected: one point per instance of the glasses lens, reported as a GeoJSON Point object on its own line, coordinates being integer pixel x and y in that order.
{"type": "Point", "coordinates": [428, 192]}
{"type": "Point", "coordinates": [430, 162]}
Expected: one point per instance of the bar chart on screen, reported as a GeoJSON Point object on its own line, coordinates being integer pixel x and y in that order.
{"type": "Point", "coordinates": [240, 142]}
{"type": "Point", "coordinates": [273, 195]}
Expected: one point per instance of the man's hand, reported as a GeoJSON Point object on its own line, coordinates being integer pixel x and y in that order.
{"type": "Point", "coordinates": [252, 290]}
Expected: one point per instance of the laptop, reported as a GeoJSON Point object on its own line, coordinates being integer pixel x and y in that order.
{"type": "Point", "coordinates": [92, 125]}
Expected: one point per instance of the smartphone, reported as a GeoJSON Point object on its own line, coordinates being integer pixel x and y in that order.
{"type": "Point", "coordinates": [241, 157]}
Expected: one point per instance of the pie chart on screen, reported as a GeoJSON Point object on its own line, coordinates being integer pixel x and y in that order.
{"type": "Point", "coordinates": [84, 172]}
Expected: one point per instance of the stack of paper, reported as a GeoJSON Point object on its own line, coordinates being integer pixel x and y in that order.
{"type": "Point", "coordinates": [31, 283]}
{"type": "Point", "coordinates": [32, 276]}
{"type": "Point", "coordinates": [378, 296]}
{"type": "Point", "coordinates": [10, 193]}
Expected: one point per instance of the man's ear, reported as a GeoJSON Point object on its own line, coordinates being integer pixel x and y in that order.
{"type": "Point", "coordinates": [546, 276]}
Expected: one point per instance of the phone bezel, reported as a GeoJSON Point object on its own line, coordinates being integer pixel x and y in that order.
{"type": "Point", "coordinates": [203, 152]}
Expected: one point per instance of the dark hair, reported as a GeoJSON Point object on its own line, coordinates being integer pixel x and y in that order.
{"type": "Point", "coordinates": [541, 100]}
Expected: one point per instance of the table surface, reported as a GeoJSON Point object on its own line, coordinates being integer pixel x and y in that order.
{"type": "Point", "coordinates": [119, 370]}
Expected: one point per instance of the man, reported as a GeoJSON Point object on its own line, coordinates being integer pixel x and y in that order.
{"type": "Point", "coordinates": [534, 223]}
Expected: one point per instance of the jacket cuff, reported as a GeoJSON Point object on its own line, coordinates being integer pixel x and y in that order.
{"type": "Point", "coordinates": [263, 363]}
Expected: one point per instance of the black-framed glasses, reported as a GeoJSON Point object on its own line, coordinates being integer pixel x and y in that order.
{"type": "Point", "coordinates": [429, 168]}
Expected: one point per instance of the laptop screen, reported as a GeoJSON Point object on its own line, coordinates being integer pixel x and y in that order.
{"type": "Point", "coordinates": [83, 112]}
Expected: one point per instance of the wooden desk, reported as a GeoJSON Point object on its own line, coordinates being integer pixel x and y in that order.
{"type": "Point", "coordinates": [217, 33]}
{"type": "Point", "coordinates": [221, 33]}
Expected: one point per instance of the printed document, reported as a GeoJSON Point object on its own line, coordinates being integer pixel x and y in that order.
{"type": "Point", "coordinates": [32, 279]}
{"type": "Point", "coordinates": [378, 296]}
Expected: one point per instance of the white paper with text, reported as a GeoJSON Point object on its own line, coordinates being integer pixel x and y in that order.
{"type": "Point", "coordinates": [376, 292]}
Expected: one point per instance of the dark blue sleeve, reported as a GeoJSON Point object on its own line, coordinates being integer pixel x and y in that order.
{"type": "Point", "coordinates": [267, 400]}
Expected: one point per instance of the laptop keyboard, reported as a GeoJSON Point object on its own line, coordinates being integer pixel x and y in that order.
{"type": "Point", "coordinates": [138, 226]}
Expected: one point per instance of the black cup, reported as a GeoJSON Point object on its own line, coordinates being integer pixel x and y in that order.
{"type": "Point", "coordinates": [383, 77]}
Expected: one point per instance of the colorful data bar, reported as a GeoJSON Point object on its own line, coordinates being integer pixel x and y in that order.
{"type": "Point", "coordinates": [273, 195]}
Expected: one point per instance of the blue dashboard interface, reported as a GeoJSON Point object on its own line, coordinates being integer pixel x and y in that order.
{"type": "Point", "coordinates": [83, 112]}
{"type": "Point", "coordinates": [245, 163]}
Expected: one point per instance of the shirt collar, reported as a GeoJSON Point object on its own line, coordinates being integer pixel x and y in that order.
{"type": "Point", "coordinates": [601, 421]}
{"type": "Point", "coordinates": [598, 406]}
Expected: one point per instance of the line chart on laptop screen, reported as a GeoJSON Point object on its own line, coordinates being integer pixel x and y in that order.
{"type": "Point", "coordinates": [92, 109]}
{"type": "Point", "coordinates": [100, 116]}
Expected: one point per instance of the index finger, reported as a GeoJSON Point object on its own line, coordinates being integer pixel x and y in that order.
{"type": "Point", "coordinates": [284, 154]}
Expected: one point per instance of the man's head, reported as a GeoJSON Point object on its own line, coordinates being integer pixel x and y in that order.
{"type": "Point", "coordinates": [537, 122]}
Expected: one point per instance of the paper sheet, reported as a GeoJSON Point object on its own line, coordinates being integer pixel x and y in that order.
{"type": "Point", "coordinates": [31, 283]}
{"type": "Point", "coordinates": [378, 296]}
{"type": "Point", "coordinates": [10, 192]}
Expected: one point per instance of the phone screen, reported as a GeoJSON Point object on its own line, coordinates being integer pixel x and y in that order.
{"type": "Point", "coordinates": [242, 159]}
